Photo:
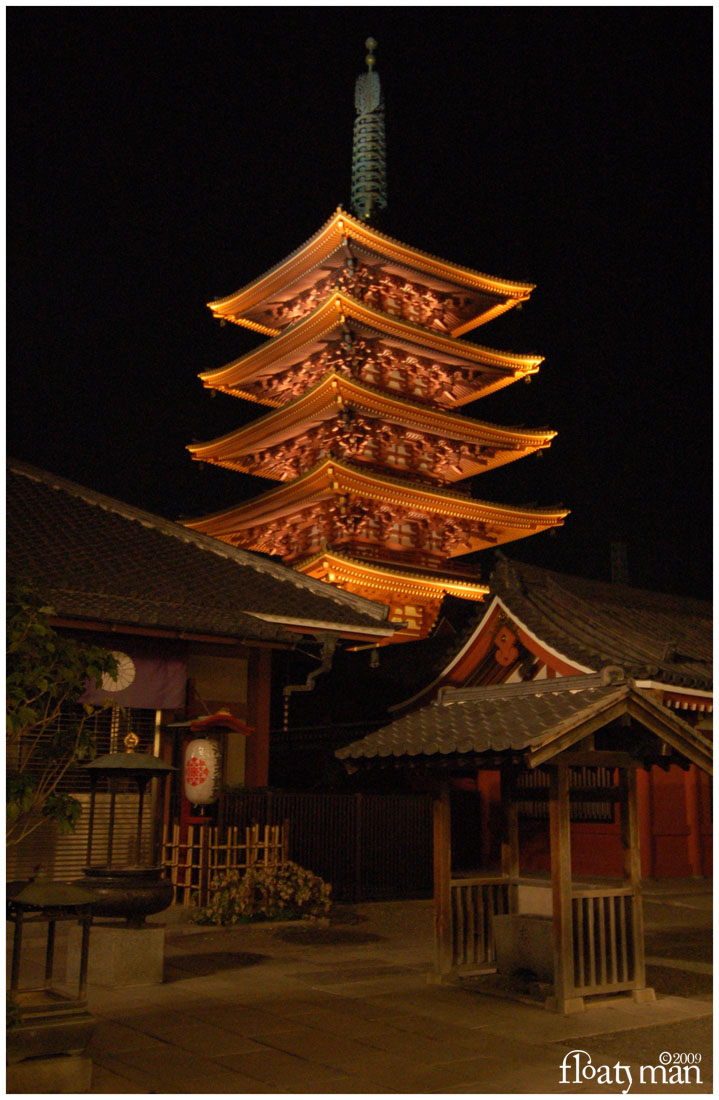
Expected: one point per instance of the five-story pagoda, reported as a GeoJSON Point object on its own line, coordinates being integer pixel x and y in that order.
{"type": "Point", "coordinates": [364, 373]}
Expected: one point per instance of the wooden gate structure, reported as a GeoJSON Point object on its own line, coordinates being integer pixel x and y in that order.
{"type": "Point", "coordinates": [569, 728]}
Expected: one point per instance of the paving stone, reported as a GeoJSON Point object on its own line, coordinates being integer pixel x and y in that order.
{"type": "Point", "coordinates": [286, 1025]}
{"type": "Point", "coordinates": [403, 1075]}
{"type": "Point", "coordinates": [193, 1033]}
{"type": "Point", "coordinates": [341, 1023]}
{"type": "Point", "coordinates": [321, 1047]}
{"type": "Point", "coordinates": [249, 1021]}
{"type": "Point", "coordinates": [177, 1072]}
{"type": "Point", "coordinates": [421, 1049]}
{"type": "Point", "coordinates": [111, 1035]}
{"type": "Point", "coordinates": [106, 1081]}
{"type": "Point", "coordinates": [282, 1070]}
{"type": "Point", "coordinates": [336, 975]}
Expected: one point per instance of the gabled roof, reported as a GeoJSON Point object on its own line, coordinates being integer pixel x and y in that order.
{"type": "Point", "coordinates": [98, 560]}
{"type": "Point", "coordinates": [336, 392]}
{"type": "Point", "coordinates": [650, 634]}
{"type": "Point", "coordinates": [332, 477]}
{"type": "Point", "coordinates": [585, 624]}
{"type": "Point", "coordinates": [330, 243]}
{"type": "Point", "coordinates": [311, 333]}
{"type": "Point", "coordinates": [534, 720]}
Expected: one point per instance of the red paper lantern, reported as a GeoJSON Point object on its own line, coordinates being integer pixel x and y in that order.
{"type": "Point", "coordinates": [202, 771]}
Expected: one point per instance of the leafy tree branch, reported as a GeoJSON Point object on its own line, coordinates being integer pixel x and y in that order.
{"type": "Point", "coordinates": [48, 730]}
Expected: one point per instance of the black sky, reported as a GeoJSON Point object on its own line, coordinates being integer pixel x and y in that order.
{"type": "Point", "coordinates": [160, 157]}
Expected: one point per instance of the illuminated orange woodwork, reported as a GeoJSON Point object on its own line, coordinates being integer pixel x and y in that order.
{"type": "Point", "coordinates": [291, 283]}
{"type": "Point", "coordinates": [363, 373]}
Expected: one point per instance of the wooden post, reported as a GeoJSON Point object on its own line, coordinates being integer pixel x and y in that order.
{"type": "Point", "coordinates": [510, 834]}
{"type": "Point", "coordinates": [633, 872]}
{"type": "Point", "coordinates": [442, 873]}
{"type": "Point", "coordinates": [49, 953]}
{"type": "Point", "coordinates": [358, 847]}
{"type": "Point", "coordinates": [564, 999]}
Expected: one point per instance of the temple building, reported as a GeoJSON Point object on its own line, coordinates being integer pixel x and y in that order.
{"type": "Point", "coordinates": [364, 371]}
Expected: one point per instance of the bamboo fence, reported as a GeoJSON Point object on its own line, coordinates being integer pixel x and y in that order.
{"type": "Point", "coordinates": [193, 862]}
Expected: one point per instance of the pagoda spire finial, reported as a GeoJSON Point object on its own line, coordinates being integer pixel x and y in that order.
{"type": "Point", "coordinates": [369, 172]}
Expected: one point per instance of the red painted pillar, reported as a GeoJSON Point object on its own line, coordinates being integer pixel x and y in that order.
{"type": "Point", "coordinates": [644, 814]}
{"type": "Point", "coordinates": [257, 758]}
{"type": "Point", "coordinates": [691, 792]}
{"type": "Point", "coordinates": [486, 783]}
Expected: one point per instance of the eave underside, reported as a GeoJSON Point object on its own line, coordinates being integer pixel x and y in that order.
{"type": "Point", "coordinates": [382, 351]}
{"type": "Point", "coordinates": [354, 422]}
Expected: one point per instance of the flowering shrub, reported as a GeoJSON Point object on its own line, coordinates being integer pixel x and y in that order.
{"type": "Point", "coordinates": [283, 892]}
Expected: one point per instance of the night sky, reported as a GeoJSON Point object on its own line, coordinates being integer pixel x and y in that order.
{"type": "Point", "coordinates": [162, 157]}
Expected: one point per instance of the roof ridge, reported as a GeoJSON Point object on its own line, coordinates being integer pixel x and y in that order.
{"type": "Point", "coordinates": [610, 676]}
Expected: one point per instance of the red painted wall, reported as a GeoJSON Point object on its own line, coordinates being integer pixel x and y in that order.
{"type": "Point", "coordinates": [675, 829]}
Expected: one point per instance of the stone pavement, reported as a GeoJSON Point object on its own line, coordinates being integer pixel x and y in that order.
{"type": "Point", "coordinates": [349, 1009]}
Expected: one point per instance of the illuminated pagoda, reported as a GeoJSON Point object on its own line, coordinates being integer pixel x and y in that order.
{"type": "Point", "coordinates": [365, 372]}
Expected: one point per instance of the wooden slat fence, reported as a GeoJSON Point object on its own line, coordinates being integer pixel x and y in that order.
{"type": "Point", "coordinates": [603, 935]}
{"type": "Point", "coordinates": [195, 861]}
{"type": "Point", "coordinates": [475, 901]}
{"type": "Point", "coordinates": [370, 847]}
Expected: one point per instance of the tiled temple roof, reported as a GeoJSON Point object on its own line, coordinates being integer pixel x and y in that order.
{"type": "Point", "coordinates": [517, 718]}
{"type": "Point", "coordinates": [98, 559]}
{"type": "Point", "coordinates": [651, 635]}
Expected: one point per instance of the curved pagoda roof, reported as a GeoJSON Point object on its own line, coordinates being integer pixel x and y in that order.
{"type": "Point", "coordinates": [497, 523]}
{"type": "Point", "coordinates": [343, 236]}
{"type": "Point", "coordinates": [408, 583]}
{"type": "Point", "coordinates": [496, 369]}
{"type": "Point", "coordinates": [336, 394]}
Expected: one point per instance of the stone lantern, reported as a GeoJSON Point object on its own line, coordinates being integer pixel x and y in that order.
{"type": "Point", "coordinates": [49, 1026]}
{"type": "Point", "coordinates": [124, 950]}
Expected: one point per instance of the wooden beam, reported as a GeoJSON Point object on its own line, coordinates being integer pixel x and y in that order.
{"type": "Point", "coordinates": [652, 718]}
{"type": "Point", "coordinates": [561, 741]}
{"type": "Point", "coordinates": [599, 758]}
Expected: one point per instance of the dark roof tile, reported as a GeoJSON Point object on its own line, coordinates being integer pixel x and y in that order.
{"type": "Point", "coordinates": [480, 720]}
{"type": "Point", "coordinates": [99, 559]}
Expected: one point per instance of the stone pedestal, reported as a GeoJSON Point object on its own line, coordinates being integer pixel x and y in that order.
{"type": "Point", "coordinates": [119, 956]}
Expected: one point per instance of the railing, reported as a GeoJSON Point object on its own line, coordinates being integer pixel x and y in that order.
{"type": "Point", "coordinates": [474, 901]}
{"type": "Point", "coordinates": [194, 861]}
{"type": "Point", "coordinates": [603, 938]}
{"type": "Point", "coordinates": [605, 954]}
